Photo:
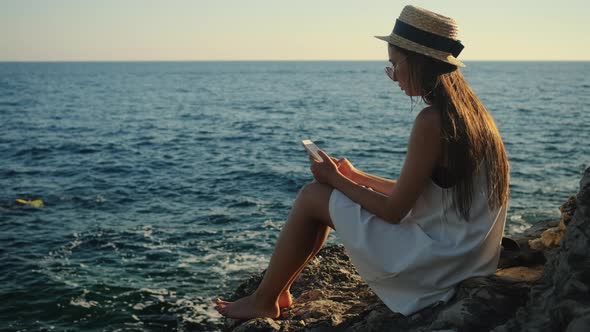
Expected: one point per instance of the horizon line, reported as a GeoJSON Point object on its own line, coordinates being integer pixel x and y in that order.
{"type": "Point", "coordinates": [288, 60]}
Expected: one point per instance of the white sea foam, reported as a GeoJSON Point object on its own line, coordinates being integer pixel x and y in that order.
{"type": "Point", "coordinates": [246, 235]}
{"type": "Point", "coordinates": [238, 262]}
{"type": "Point", "coordinates": [156, 291]}
{"type": "Point", "coordinates": [109, 244]}
{"type": "Point", "coordinates": [60, 257]}
{"type": "Point", "coordinates": [516, 224]}
{"type": "Point", "coordinates": [142, 305]}
{"type": "Point", "coordinates": [187, 261]}
{"type": "Point", "coordinates": [148, 232]}
{"type": "Point", "coordinates": [81, 301]}
{"type": "Point", "coordinates": [208, 258]}
{"type": "Point", "coordinates": [269, 224]}
{"type": "Point", "coordinates": [198, 312]}
{"type": "Point", "coordinates": [196, 259]}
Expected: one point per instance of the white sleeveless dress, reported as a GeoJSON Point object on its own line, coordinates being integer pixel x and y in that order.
{"type": "Point", "coordinates": [419, 261]}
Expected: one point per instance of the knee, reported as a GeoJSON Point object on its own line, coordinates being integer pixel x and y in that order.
{"type": "Point", "coordinates": [314, 200]}
{"type": "Point", "coordinates": [312, 190]}
{"type": "Point", "coordinates": [307, 189]}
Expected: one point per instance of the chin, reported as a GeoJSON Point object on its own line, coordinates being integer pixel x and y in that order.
{"type": "Point", "coordinates": [408, 93]}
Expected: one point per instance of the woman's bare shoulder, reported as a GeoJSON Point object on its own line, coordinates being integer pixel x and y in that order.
{"type": "Point", "coordinates": [429, 114]}
{"type": "Point", "coordinates": [429, 119]}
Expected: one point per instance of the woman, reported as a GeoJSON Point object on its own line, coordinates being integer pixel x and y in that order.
{"type": "Point", "coordinates": [413, 240]}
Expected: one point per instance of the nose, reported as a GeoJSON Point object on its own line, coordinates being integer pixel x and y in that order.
{"type": "Point", "coordinates": [391, 73]}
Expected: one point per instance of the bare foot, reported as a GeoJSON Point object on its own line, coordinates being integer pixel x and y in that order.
{"type": "Point", "coordinates": [246, 308]}
{"type": "Point", "coordinates": [285, 299]}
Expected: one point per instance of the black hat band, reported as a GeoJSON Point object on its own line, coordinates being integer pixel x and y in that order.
{"type": "Point", "coordinates": [427, 39]}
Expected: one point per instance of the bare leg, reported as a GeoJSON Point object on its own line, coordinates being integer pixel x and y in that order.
{"type": "Point", "coordinates": [285, 299]}
{"type": "Point", "coordinates": [296, 244]}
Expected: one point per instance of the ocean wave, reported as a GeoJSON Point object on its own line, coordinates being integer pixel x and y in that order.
{"type": "Point", "coordinates": [33, 151]}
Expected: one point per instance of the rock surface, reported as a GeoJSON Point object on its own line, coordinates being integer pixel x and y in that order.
{"type": "Point", "coordinates": [561, 300]}
{"type": "Point", "coordinates": [542, 283]}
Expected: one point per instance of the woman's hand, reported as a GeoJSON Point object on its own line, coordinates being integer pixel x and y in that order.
{"type": "Point", "coordinates": [345, 167]}
{"type": "Point", "coordinates": [324, 171]}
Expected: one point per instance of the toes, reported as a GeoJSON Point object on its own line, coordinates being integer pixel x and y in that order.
{"type": "Point", "coordinates": [223, 311]}
{"type": "Point", "coordinates": [220, 306]}
{"type": "Point", "coordinates": [220, 301]}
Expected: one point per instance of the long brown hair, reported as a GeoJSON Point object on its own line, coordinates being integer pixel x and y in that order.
{"type": "Point", "coordinates": [469, 134]}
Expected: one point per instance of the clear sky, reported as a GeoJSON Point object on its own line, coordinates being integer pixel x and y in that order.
{"type": "Point", "coordinates": [85, 30]}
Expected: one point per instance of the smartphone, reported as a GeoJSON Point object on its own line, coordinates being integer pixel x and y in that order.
{"type": "Point", "coordinates": [312, 149]}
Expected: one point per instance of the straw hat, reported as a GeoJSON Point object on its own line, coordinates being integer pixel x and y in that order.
{"type": "Point", "coordinates": [428, 33]}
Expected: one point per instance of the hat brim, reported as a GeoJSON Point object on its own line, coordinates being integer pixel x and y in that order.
{"type": "Point", "coordinates": [415, 47]}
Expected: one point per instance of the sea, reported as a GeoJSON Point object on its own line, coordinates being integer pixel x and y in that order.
{"type": "Point", "coordinates": [148, 189]}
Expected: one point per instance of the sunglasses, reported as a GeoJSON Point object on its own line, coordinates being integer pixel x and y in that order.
{"type": "Point", "coordinates": [390, 71]}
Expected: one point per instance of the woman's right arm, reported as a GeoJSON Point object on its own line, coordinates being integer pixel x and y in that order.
{"type": "Point", "coordinates": [377, 183]}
